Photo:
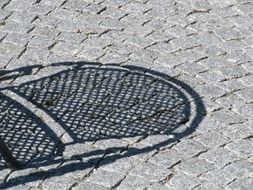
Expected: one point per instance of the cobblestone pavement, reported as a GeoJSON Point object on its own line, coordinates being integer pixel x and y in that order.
{"type": "Point", "coordinates": [204, 46]}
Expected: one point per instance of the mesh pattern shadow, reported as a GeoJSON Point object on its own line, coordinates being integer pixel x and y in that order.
{"type": "Point", "coordinates": [94, 102]}
{"type": "Point", "coordinates": [27, 137]}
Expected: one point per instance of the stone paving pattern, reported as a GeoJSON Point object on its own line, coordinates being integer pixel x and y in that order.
{"type": "Point", "coordinates": [208, 44]}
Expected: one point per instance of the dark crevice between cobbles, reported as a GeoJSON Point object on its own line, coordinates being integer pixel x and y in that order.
{"type": "Point", "coordinates": [123, 16]}
{"type": "Point", "coordinates": [197, 186]}
{"type": "Point", "coordinates": [148, 34]}
{"type": "Point", "coordinates": [23, 51]}
{"type": "Point", "coordinates": [1, 39]}
{"type": "Point", "coordinates": [192, 47]}
{"type": "Point", "coordinates": [236, 77]}
{"type": "Point", "coordinates": [230, 182]}
{"type": "Point", "coordinates": [167, 178]}
{"type": "Point", "coordinates": [102, 10]}
{"type": "Point", "coordinates": [226, 143]}
{"type": "Point", "coordinates": [169, 40]}
{"type": "Point", "coordinates": [36, 2]}
{"type": "Point", "coordinates": [101, 2]}
{"type": "Point", "coordinates": [201, 59]}
{"type": "Point", "coordinates": [231, 162]}
{"type": "Point", "coordinates": [146, 22]}
{"type": "Point", "coordinates": [4, 5]}
{"type": "Point", "coordinates": [190, 24]}
{"type": "Point", "coordinates": [30, 30]}
{"type": "Point", "coordinates": [5, 18]}
{"type": "Point", "coordinates": [248, 137]}
{"type": "Point", "coordinates": [95, 167]}
{"type": "Point", "coordinates": [173, 52]}
{"type": "Point", "coordinates": [145, 12]}
{"type": "Point", "coordinates": [121, 180]}
{"type": "Point", "coordinates": [200, 153]}
{"type": "Point", "coordinates": [45, 175]}
{"type": "Point", "coordinates": [49, 12]}
{"type": "Point", "coordinates": [153, 44]}
{"type": "Point", "coordinates": [52, 46]}
{"type": "Point", "coordinates": [63, 3]}
{"type": "Point", "coordinates": [35, 18]}
{"type": "Point", "coordinates": [105, 32]}
{"type": "Point", "coordinates": [113, 102]}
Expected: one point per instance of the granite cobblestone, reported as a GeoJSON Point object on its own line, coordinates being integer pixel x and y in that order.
{"type": "Point", "coordinates": [204, 43]}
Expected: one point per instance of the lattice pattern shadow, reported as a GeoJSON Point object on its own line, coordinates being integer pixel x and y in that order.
{"type": "Point", "coordinates": [25, 134]}
{"type": "Point", "coordinates": [92, 102]}
{"type": "Point", "coordinates": [99, 102]}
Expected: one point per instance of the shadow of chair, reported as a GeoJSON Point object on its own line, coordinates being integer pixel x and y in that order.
{"type": "Point", "coordinates": [92, 102]}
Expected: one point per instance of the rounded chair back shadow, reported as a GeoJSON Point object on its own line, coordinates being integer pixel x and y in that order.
{"type": "Point", "coordinates": [94, 101]}
{"type": "Point", "coordinates": [91, 102]}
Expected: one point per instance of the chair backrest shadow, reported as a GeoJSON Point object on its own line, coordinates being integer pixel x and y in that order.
{"type": "Point", "coordinates": [92, 102]}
